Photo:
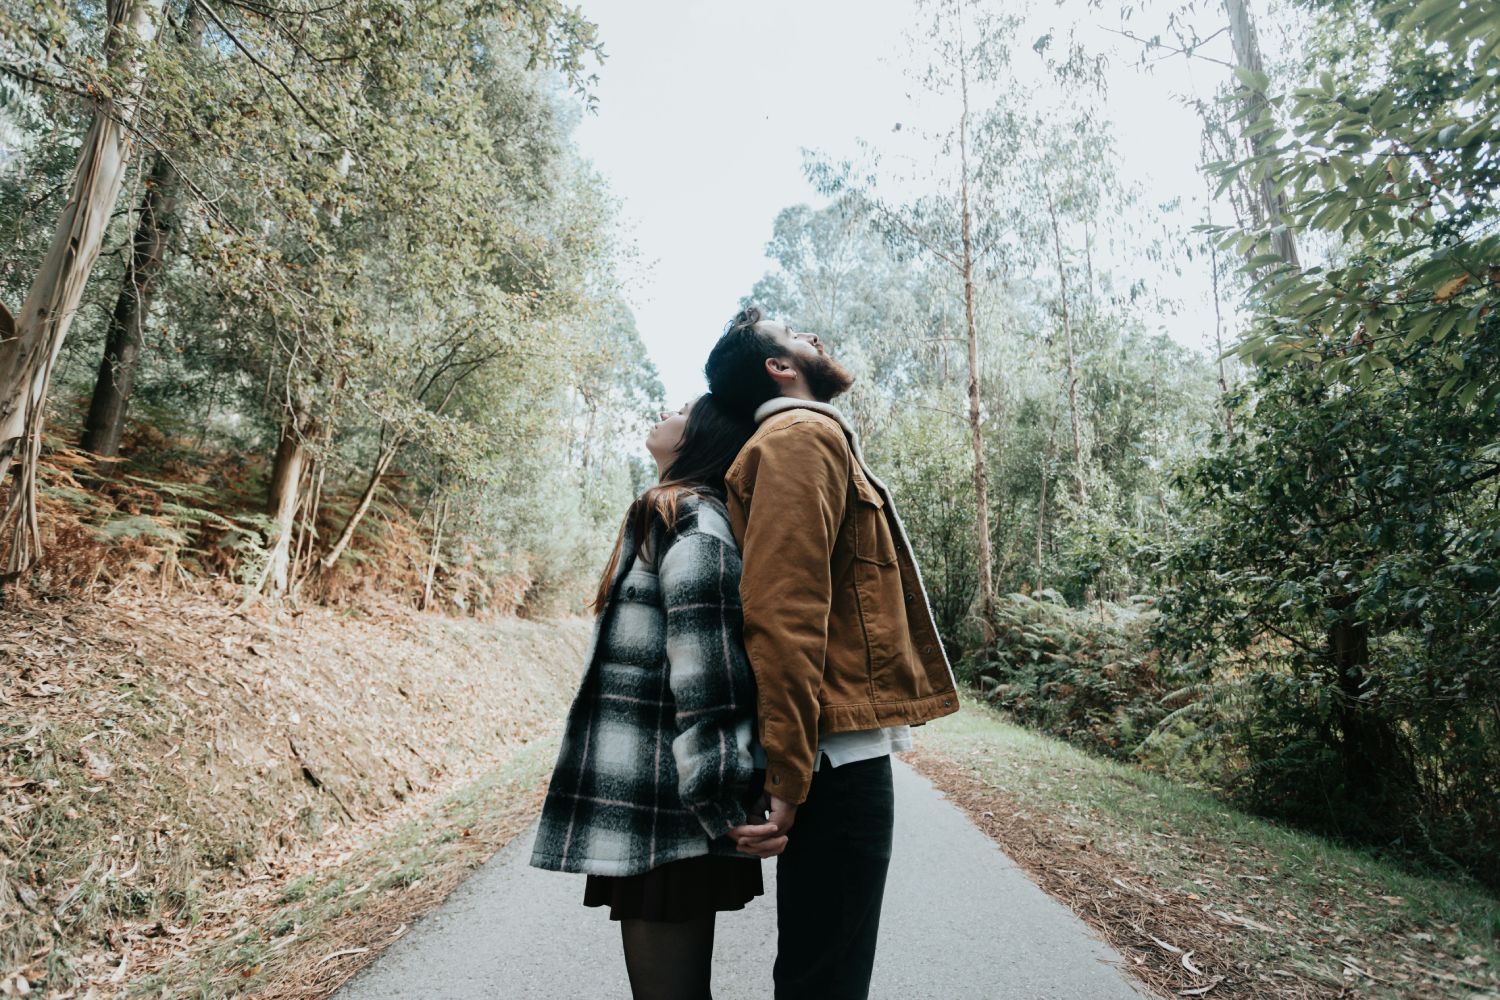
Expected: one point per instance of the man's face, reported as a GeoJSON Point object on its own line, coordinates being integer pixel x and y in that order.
{"type": "Point", "coordinates": [825, 377]}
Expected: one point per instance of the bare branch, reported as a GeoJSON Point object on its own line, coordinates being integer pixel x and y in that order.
{"type": "Point", "coordinates": [1153, 43]}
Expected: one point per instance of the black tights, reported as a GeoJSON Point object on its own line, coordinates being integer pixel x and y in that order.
{"type": "Point", "coordinates": [669, 961]}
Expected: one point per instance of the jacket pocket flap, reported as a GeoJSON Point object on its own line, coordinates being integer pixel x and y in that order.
{"type": "Point", "coordinates": [867, 493]}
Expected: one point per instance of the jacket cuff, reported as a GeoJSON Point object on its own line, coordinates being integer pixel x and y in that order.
{"type": "Point", "coordinates": [787, 783]}
{"type": "Point", "coordinates": [718, 818]}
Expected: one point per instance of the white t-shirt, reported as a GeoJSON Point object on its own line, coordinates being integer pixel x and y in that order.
{"type": "Point", "coordinates": [851, 748]}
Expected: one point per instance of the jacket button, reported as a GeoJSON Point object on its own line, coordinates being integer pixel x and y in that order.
{"type": "Point", "coordinates": [926, 650]}
{"type": "Point", "coordinates": [629, 591]}
{"type": "Point", "coordinates": [775, 779]}
{"type": "Point", "coordinates": [910, 596]}
{"type": "Point", "coordinates": [947, 703]}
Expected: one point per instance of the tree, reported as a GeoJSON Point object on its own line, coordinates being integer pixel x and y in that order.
{"type": "Point", "coordinates": [156, 229]}
{"type": "Point", "coordinates": [1341, 550]}
{"type": "Point", "coordinates": [27, 358]}
{"type": "Point", "coordinates": [963, 223]}
{"type": "Point", "coordinates": [1259, 126]}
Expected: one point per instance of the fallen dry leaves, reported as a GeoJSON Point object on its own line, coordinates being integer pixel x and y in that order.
{"type": "Point", "coordinates": [167, 765]}
{"type": "Point", "coordinates": [1177, 943]}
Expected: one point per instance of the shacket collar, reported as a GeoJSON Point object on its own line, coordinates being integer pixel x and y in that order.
{"type": "Point", "coordinates": [781, 404]}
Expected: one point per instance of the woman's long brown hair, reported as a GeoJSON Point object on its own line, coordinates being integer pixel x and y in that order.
{"type": "Point", "coordinates": [710, 442]}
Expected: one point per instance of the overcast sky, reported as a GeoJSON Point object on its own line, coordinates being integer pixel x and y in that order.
{"type": "Point", "coordinates": [704, 108]}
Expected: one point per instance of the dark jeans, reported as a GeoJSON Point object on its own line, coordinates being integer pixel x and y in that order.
{"type": "Point", "coordinates": [830, 881]}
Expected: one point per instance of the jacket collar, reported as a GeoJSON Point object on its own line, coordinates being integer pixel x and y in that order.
{"type": "Point", "coordinates": [781, 404]}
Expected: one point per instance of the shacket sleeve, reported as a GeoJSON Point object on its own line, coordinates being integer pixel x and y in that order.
{"type": "Point", "coordinates": [790, 523]}
{"type": "Point", "coordinates": [710, 679]}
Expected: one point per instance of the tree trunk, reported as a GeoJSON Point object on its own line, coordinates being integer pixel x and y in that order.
{"type": "Point", "coordinates": [981, 476]}
{"type": "Point", "coordinates": [1079, 482]}
{"type": "Point", "coordinates": [27, 359]}
{"type": "Point", "coordinates": [382, 462]}
{"type": "Point", "coordinates": [1376, 767]}
{"type": "Point", "coordinates": [127, 327]}
{"type": "Point", "coordinates": [1247, 54]}
{"type": "Point", "coordinates": [432, 555]}
{"type": "Point", "coordinates": [1041, 506]}
{"type": "Point", "coordinates": [1213, 259]}
{"type": "Point", "coordinates": [281, 502]}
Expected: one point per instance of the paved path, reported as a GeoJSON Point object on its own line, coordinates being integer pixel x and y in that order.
{"type": "Point", "coordinates": [961, 922]}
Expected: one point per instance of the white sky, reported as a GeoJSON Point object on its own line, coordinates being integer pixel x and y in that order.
{"type": "Point", "coordinates": [704, 108]}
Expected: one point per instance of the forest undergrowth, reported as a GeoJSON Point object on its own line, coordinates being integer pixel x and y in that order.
{"type": "Point", "coordinates": [176, 520]}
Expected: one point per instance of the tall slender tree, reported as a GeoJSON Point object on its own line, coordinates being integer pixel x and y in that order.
{"type": "Point", "coordinates": [27, 358]}
{"type": "Point", "coordinates": [156, 229]}
{"type": "Point", "coordinates": [965, 224]}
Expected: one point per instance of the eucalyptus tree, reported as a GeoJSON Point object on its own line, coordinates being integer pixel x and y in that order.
{"type": "Point", "coordinates": [961, 215]}
{"type": "Point", "coordinates": [1068, 172]}
{"type": "Point", "coordinates": [1388, 149]}
{"type": "Point", "coordinates": [150, 251]}
{"type": "Point", "coordinates": [28, 355]}
{"type": "Point", "coordinates": [1259, 128]}
{"type": "Point", "coordinates": [305, 118]}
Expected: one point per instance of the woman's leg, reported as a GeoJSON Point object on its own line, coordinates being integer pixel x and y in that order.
{"type": "Point", "coordinates": [669, 961]}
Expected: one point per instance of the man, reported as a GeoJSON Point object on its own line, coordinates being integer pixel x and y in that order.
{"type": "Point", "coordinates": [842, 642]}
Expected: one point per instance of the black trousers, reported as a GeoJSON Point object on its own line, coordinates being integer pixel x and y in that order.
{"type": "Point", "coordinates": [830, 881]}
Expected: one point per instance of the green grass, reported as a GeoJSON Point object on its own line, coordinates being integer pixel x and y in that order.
{"type": "Point", "coordinates": [1321, 898]}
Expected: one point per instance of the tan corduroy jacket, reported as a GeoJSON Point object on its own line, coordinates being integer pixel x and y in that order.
{"type": "Point", "coordinates": [837, 625]}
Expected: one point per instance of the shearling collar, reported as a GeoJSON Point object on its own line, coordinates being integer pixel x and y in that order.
{"type": "Point", "coordinates": [781, 404]}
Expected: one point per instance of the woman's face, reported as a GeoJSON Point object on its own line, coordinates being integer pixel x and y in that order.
{"type": "Point", "coordinates": [665, 439]}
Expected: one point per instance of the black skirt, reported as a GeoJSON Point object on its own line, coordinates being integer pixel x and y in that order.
{"type": "Point", "coordinates": [678, 890]}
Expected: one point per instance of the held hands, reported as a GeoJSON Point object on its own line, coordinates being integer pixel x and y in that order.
{"type": "Point", "coordinates": [768, 839]}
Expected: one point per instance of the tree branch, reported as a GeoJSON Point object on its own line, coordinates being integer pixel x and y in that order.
{"type": "Point", "coordinates": [1153, 43]}
{"type": "Point", "coordinates": [280, 81]}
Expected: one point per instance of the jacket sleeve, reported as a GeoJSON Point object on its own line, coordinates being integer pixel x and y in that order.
{"type": "Point", "coordinates": [710, 678]}
{"type": "Point", "coordinates": [795, 508]}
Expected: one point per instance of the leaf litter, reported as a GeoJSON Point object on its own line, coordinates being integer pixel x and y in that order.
{"type": "Point", "coordinates": [168, 769]}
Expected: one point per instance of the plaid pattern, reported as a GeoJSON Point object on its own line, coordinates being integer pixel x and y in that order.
{"type": "Point", "coordinates": [656, 755]}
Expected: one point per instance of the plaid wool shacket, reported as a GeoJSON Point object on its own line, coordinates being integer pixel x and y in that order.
{"type": "Point", "coordinates": [656, 753]}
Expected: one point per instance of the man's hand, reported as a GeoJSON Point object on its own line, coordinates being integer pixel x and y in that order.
{"type": "Point", "coordinates": [766, 840]}
{"type": "Point", "coordinates": [761, 841]}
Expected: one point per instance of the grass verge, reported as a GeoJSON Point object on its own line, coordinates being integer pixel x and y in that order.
{"type": "Point", "coordinates": [309, 934]}
{"type": "Point", "coordinates": [1203, 900]}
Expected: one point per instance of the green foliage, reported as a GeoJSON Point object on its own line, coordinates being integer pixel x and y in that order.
{"type": "Point", "coordinates": [386, 242]}
{"type": "Point", "coordinates": [1329, 609]}
{"type": "Point", "coordinates": [1082, 674]}
{"type": "Point", "coordinates": [1343, 557]}
{"type": "Point", "coordinates": [1388, 151]}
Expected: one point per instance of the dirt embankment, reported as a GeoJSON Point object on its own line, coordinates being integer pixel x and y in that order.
{"type": "Point", "coordinates": [174, 774]}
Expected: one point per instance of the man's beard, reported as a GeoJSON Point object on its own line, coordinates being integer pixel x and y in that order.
{"type": "Point", "coordinates": [826, 378]}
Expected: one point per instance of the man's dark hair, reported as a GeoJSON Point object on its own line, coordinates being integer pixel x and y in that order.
{"type": "Point", "coordinates": [736, 367]}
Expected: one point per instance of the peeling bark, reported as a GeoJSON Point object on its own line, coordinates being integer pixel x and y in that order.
{"type": "Point", "coordinates": [28, 357]}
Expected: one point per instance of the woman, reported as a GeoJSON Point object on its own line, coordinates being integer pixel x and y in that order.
{"type": "Point", "coordinates": [656, 761]}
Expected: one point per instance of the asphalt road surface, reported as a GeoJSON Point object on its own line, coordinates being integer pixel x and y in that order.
{"type": "Point", "coordinates": [961, 922]}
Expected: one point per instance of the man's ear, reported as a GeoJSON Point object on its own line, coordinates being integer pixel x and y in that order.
{"type": "Point", "coordinates": [781, 369]}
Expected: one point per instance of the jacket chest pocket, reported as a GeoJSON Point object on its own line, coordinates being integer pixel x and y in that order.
{"type": "Point", "coordinates": [640, 586]}
{"type": "Point", "coordinates": [872, 533]}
